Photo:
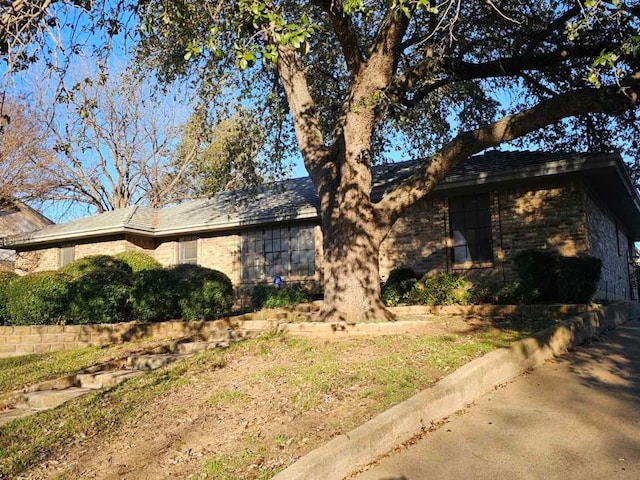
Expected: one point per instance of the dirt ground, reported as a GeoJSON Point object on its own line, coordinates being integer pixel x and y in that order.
{"type": "Point", "coordinates": [248, 403]}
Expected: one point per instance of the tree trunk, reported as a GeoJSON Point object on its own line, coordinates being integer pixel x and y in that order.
{"type": "Point", "coordinates": [351, 269]}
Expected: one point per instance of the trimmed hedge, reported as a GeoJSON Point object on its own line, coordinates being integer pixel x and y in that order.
{"type": "Point", "coordinates": [100, 296]}
{"type": "Point", "coordinates": [5, 279]}
{"type": "Point", "coordinates": [154, 296]}
{"type": "Point", "coordinates": [549, 277]}
{"type": "Point", "coordinates": [578, 278]}
{"type": "Point", "coordinates": [203, 293]}
{"type": "Point", "coordinates": [40, 298]}
{"type": "Point", "coordinates": [138, 261]}
{"type": "Point", "coordinates": [103, 289]}
{"type": "Point", "coordinates": [95, 263]}
{"type": "Point", "coordinates": [538, 272]}
{"type": "Point", "coordinates": [270, 296]}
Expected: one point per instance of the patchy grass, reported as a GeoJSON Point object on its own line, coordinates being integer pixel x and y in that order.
{"type": "Point", "coordinates": [19, 372]}
{"type": "Point", "coordinates": [25, 441]}
{"type": "Point", "coordinates": [263, 402]}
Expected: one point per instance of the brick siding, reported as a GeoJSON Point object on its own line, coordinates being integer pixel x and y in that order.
{"type": "Point", "coordinates": [609, 242]}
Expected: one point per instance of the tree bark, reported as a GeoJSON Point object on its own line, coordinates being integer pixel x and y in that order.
{"type": "Point", "coordinates": [351, 244]}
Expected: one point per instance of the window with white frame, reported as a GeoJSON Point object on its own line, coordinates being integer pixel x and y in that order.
{"type": "Point", "coordinates": [188, 251]}
{"type": "Point", "coordinates": [287, 252]}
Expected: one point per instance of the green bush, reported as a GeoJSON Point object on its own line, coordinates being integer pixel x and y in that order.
{"type": "Point", "coordinates": [40, 298]}
{"type": "Point", "coordinates": [398, 285]}
{"type": "Point", "coordinates": [100, 296]}
{"type": "Point", "coordinates": [488, 292]}
{"type": "Point", "coordinates": [154, 296]}
{"type": "Point", "coordinates": [203, 293]}
{"type": "Point", "coordinates": [578, 278]}
{"type": "Point", "coordinates": [95, 263]}
{"type": "Point", "coordinates": [549, 277]}
{"type": "Point", "coordinates": [538, 272]}
{"type": "Point", "coordinates": [138, 261]}
{"type": "Point", "coordinates": [441, 289]}
{"type": "Point", "coordinates": [5, 279]}
{"type": "Point", "coordinates": [270, 296]}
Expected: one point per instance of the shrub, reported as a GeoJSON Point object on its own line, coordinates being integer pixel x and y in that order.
{"type": "Point", "coordinates": [483, 292]}
{"type": "Point", "coordinates": [154, 296]}
{"type": "Point", "coordinates": [5, 279]}
{"type": "Point", "coordinates": [549, 277]}
{"type": "Point", "coordinates": [100, 296]}
{"type": "Point", "coordinates": [259, 295]}
{"type": "Point", "coordinates": [578, 278]}
{"type": "Point", "coordinates": [138, 261]}
{"type": "Point", "coordinates": [203, 293]}
{"type": "Point", "coordinates": [270, 296]}
{"type": "Point", "coordinates": [40, 298]}
{"type": "Point", "coordinates": [538, 272]}
{"type": "Point", "coordinates": [398, 285]}
{"type": "Point", "coordinates": [94, 263]}
{"type": "Point", "coordinates": [441, 289]}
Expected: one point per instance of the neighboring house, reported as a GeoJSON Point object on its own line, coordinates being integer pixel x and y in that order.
{"type": "Point", "coordinates": [484, 212]}
{"type": "Point", "coordinates": [17, 218]}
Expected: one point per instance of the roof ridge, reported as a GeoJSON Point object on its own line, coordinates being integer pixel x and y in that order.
{"type": "Point", "coordinates": [129, 216]}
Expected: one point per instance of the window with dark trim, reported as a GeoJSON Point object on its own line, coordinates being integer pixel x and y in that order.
{"type": "Point", "coordinates": [470, 221]}
{"type": "Point", "coordinates": [188, 251]}
{"type": "Point", "coordinates": [288, 251]}
{"type": "Point", "coordinates": [66, 255]}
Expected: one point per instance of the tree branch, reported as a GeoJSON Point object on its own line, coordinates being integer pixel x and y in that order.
{"type": "Point", "coordinates": [347, 38]}
{"type": "Point", "coordinates": [609, 100]}
{"type": "Point", "coordinates": [303, 110]}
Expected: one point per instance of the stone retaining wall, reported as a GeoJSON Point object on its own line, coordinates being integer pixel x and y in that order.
{"type": "Point", "coordinates": [23, 340]}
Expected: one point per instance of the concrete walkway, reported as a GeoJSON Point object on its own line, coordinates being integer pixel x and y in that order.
{"type": "Point", "coordinates": [575, 417]}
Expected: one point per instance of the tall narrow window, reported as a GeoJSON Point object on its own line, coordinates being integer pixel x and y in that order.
{"type": "Point", "coordinates": [188, 251]}
{"type": "Point", "coordinates": [470, 219]}
{"type": "Point", "coordinates": [288, 251]}
{"type": "Point", "coordinates": [66, 255]}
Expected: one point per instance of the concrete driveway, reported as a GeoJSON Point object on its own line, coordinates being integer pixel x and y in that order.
{"type": "Point", "coordinates": [575, 417]}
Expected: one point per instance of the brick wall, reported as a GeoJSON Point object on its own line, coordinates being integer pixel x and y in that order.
{"type": "Point", "coordinates": [417, 240]}
{"type": "Point", "coordinates": [48, 258]}
{"type": "Point", "coordinates": [610, 243]}
{"type": "Point", "coordinates": [542, 218]}
{"type": "Point", "coordinates": [36, 260]}
{"type": "Point", "coordinates": [551, 218]}
{"type": "Point", "coordinates": [221, 253]}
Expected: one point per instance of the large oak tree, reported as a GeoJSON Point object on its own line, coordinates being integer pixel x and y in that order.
{"type": "Point", "coordinates": [438, 81]}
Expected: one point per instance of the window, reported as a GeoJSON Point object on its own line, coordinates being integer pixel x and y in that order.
{"type": "Point", "coordinates": [188, 250]}
{"type": "Point", "coordinates": [287, 252]}
{"type": "Point", "coordinates": [66, 255]}
{"type": "Point", "coordinates": [470, 219]}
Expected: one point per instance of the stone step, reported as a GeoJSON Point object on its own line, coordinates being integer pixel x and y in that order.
{"type": "Point", "coordinates": [46, 399]}
{"type": "Point", "coordinates": [106, 379]}
{"type": "Point", "coordinates": [151, 362]}
{"type": "Point", "coordinates": [191, 348]}
{"type": "Point", "coordinates": [7, 416]}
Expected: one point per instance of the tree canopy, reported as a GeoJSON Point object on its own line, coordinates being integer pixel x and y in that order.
{"type": "Point", "coordinates": [357, 82]}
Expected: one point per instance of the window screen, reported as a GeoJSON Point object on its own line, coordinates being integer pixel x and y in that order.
{"type": "Point", "coordinates": [470, 219]}
{"type": "Point", "coordinates": [188, 251]}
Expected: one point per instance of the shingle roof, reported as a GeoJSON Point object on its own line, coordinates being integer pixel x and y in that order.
{"type": "Point", "coordinates": [296, 198]}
